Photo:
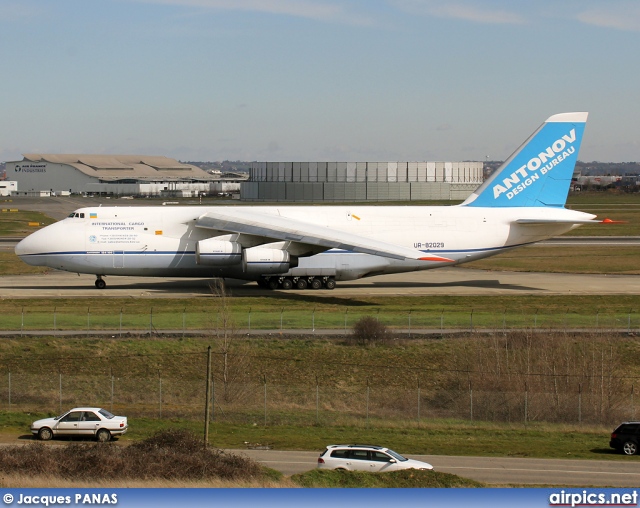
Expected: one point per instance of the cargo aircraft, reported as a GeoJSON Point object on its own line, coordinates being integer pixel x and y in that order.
{"type": "Point", "coordinates": [314, 246]}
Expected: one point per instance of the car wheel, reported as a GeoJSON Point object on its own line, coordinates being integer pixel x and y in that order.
{"type": "Point", "coordinates": [630, 448]}
{"type": "Point", "coordinates": [45, 434]}
{"type": "Point", "coordinates": [103, 435]}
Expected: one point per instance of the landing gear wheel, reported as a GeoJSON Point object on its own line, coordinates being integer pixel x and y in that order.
{"type": "Point", "coordinates": [316, 284]}
{"type": "Point", "coordinates": [301, 283]}
{"type": "Point", "coordinates": [630, 448]}
{"type": "Point", "coordinates": [330, 284]}
{"type": "Point", "coordinates": [100, 284]}
{"type": "Point", "coordinates": [262, 282]}
{"type": "Point", "coordinates": [273, 283]}
{"type": "Point", "coordinates": [286, 283]}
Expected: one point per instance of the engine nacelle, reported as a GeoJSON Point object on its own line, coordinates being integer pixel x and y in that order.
{"type": "Point", "coordinates": [261, 261]}
{"type": "Point", "coordinates": [212, 252]}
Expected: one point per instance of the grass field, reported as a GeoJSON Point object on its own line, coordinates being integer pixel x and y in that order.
{"type": "Point", "coordinates": [281, 311]}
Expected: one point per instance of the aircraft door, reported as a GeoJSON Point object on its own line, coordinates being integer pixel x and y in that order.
{"type": "Point", "coordinates": [118, 259]}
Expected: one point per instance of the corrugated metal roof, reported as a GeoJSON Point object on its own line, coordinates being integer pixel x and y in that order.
{"type": "Point", "coordinates": [116, 167]}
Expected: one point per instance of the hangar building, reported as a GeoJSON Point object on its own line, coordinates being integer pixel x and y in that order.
{"type": "Point", "coordinates": [108, 174]}
{"type": "Point", "coordinates": [361, 181]}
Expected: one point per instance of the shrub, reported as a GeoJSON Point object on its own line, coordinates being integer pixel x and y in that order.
{"type": "Point", "coordinates": [368, 330]}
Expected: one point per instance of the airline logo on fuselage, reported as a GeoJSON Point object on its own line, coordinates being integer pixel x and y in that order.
{"type": "Point", "coordinates": [545, 161]}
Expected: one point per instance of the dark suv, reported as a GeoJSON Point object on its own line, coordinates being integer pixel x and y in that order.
{"type": "Point", "coordinates": [626, 438]}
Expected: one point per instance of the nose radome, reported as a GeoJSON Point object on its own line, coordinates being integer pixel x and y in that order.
{"type": "Point", "coordinates": [29, 247]}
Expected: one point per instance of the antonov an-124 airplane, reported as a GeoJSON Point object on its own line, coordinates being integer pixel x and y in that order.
{"type": "Point", "coordinates": [315, 246]}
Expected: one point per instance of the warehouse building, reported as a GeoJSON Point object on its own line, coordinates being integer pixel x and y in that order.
{"type": "Point", "coordinates": [117, 175]}
{"type": "Point", "coordinates": [361, 181]}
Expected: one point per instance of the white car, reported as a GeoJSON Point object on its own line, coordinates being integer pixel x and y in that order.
{"type": "Point", "coordinates": [366, 458]}
{"type": "Point", "coordinates": [81, 421]}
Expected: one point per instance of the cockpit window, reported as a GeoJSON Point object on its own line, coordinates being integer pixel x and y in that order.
{"type": "Point", "coordinates": [77, 215]}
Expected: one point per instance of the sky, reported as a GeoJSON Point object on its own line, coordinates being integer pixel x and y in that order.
{"type": "Point", "coordinates": [316, 80]}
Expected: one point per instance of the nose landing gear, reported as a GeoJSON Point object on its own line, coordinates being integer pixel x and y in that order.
{"type": "Point", "coordinates": [100, 284]}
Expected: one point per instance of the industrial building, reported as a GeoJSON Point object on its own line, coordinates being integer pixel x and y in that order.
{"type": "Point", "coordinates": [361, 181]}
{"type": "Point", "coordinates": [118, 175]}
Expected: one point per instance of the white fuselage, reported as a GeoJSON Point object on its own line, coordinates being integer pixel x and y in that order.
{"type": "Point", "coordinates": [161, 241]}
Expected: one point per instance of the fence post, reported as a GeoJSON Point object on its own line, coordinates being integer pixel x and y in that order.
{"type": "Point", "coordinates": [207, 398]}
{"type": "Point", "coordinates": [313, 320]}
{"type": "Point", "coordinates": [441, 321]}
{"type": "Point", "coordinates": [88, 320]}
{"type": "Point", "coordinates": [120, 322]}
{"type": "Point", "coordinates": [264, 377]}
{"type": "Point", "coordinates": [150, 321]}
{"type": "Point", "coordinates": [526, 402]}
{"type": "Point", "coordinates": [22, 322]}
{"type": "Point", "coordinates": [184, 320]}
{"type": "Point", "coordinates": [504, 322]}
{"type": "Point", "coordinates": [281, 312]}
{"type": "Point", "coordinates": [418, 402]}
{"type": "Point", "coordinates": [112, 390]}
{"type": "Point", "coordinates": [471, 323]}
{"type": "Point", "coordinates": [368, 392]}
{"type": "Point", "coordinates": [249, 319]}
{"type": "Point", "coordinates": [409, 323]}
{"type": "Point", "coordinates": [470, 401]}
{"type": "Point", "coordinates": [579, 402]}
{"type": "Point", "coordinates": [54, 321]}
{"type": "Point", "coordinates": [345, 321]}
{"type": "Point", "coordinates": [159, 395]}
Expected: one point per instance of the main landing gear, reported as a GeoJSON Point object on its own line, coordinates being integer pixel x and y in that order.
{"type": "Point", "coordinates": [100, 284]}
{"type": "Point", "coordinates": [297, 282]}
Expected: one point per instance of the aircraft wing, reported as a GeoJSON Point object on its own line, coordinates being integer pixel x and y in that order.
{"type": "Point", "coordinates": [287, 229]}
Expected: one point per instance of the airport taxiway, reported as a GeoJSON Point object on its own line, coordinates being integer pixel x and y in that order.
{"type": "Point", "coordinates": [444, 281]}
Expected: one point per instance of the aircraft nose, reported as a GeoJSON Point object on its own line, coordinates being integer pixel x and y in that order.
{"type": "Point", "coordinates": [28, 248]}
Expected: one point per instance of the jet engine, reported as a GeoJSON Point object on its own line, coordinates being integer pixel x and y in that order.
{"type": "Point", "coordinates": [263, 261]}
{"type": "Point", "coordinates": [212, 252]}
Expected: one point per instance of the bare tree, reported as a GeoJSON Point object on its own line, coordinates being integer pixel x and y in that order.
{"type": "Point", "coordinates": [225, 331]}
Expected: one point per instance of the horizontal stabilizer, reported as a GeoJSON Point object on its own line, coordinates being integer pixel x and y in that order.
{"type": "Point", "coordinates": [567, 221]}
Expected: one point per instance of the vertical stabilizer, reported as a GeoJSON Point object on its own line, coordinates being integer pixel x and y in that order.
{"type": "Point", "coordinates": [539, 172]}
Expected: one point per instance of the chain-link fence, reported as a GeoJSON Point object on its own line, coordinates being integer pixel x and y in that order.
{"type": "Point", "coordinates": [86, 320]}
{"type": "Point", "coordinates": [267, 402]}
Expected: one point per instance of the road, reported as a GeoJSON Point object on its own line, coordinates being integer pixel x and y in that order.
{"type": "Point", "coordinates": [492, 470]}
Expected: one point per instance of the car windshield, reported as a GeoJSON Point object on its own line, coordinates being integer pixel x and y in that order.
{"type": "Point", "coordinates": [396, 455]}
{"type": "Point", "coordinates": [105, 413]}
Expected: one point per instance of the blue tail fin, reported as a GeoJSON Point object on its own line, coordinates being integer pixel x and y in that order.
{"type": "Point", "coordinates": [539, 172]}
